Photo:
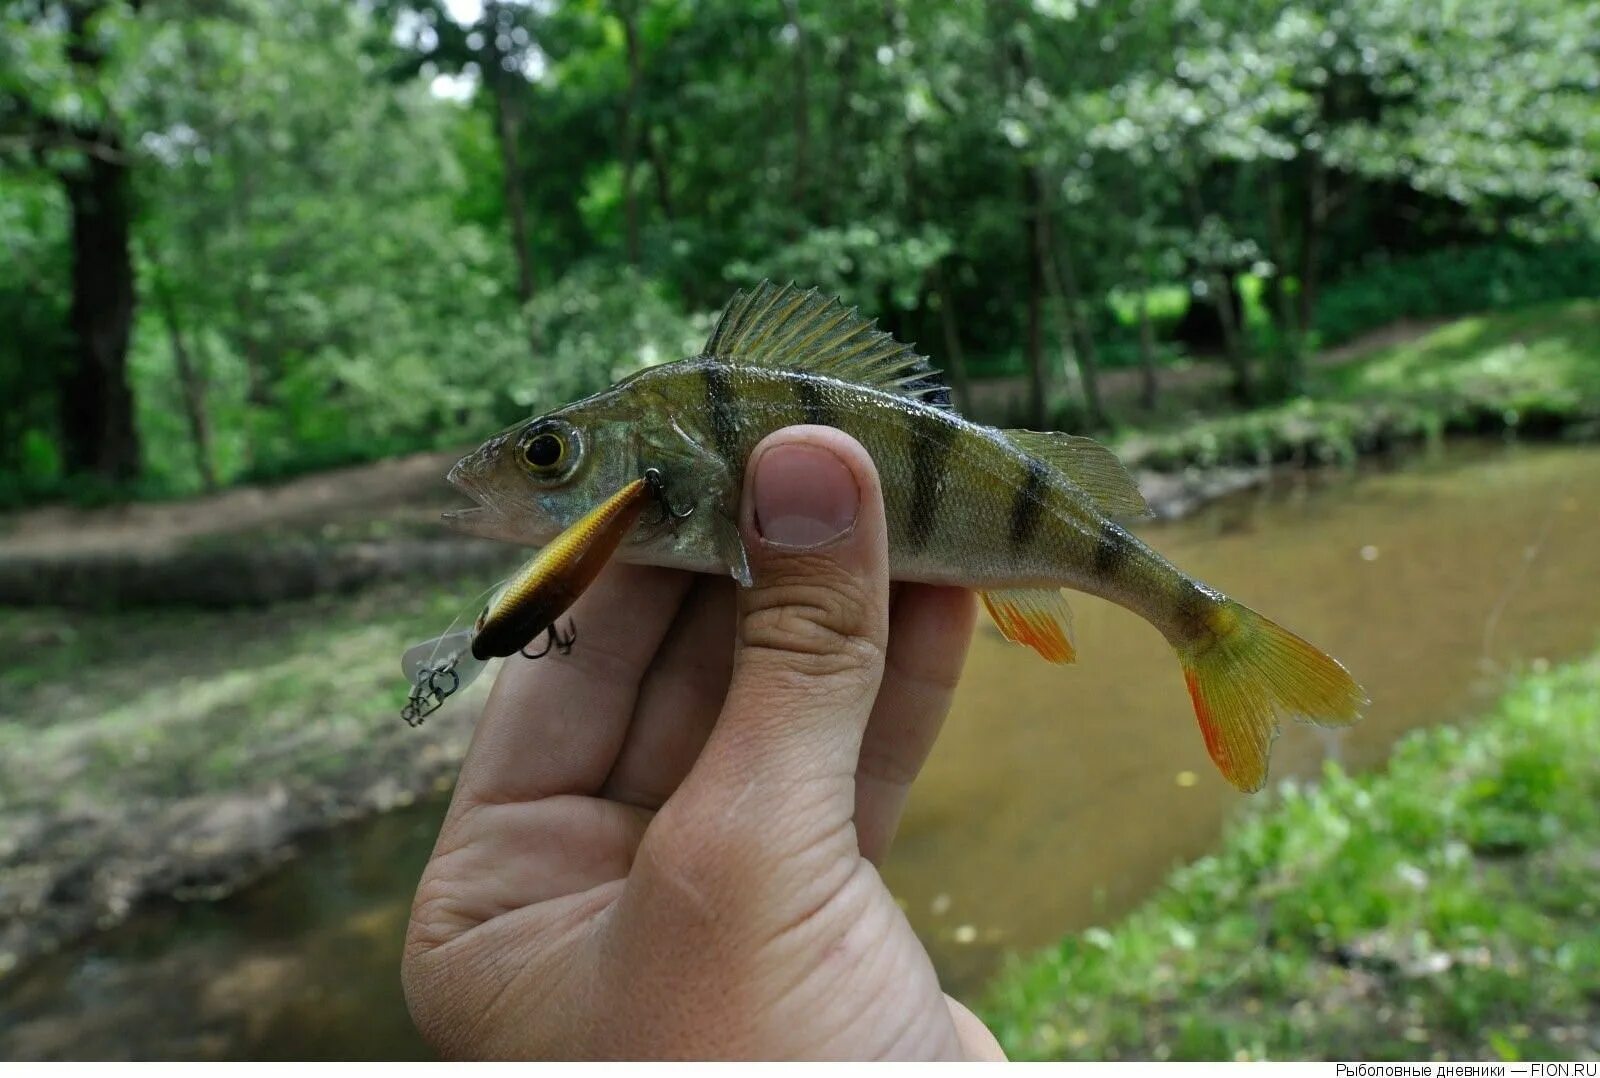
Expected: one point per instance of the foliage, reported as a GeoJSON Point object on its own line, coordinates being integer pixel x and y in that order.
{"type": "Point", "coordinates": [357, 229]}
{"type": "Point", "coordinates": [1443, 908]}
{"type": "Point", "coordinates": [1455, 281]}
{"type": "Point", "coordinates": [601, 323]}
{"type": "Point", "coordinates": [1535, 370]}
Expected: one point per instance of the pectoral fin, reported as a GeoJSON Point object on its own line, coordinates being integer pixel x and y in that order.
{"type": "Point", "coordinates": [1037, 617]}
{"type": "Point", "coordinates": [730, 548]}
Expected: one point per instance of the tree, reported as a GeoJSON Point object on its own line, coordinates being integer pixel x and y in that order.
{"type": "Point", "coordinates": [497, 48]}
{"type": "Point", "coordinates": [60, 116]}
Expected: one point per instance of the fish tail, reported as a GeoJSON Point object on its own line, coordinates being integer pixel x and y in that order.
{"type": "Point", "coordinates": [1244, 672]}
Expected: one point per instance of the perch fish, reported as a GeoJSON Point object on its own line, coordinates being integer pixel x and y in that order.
{"type": "Point", "coordinates": [1016, 515]}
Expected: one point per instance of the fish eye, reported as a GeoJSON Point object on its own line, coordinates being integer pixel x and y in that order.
{"type": "Point", "coordinates": [547, 452]}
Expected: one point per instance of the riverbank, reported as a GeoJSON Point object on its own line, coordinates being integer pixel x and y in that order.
{"type": "Point", "coordinates": [1444, 907]}
{"type": "Point", "coordinates": [182, 752]}
{"type": "Point", "coordinates": [1533, 372]}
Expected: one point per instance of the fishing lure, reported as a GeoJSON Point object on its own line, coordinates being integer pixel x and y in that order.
{"type": "Point", "coordinates": [527, 606]}
{"type": "Point", "coordinates": [1016, 515]}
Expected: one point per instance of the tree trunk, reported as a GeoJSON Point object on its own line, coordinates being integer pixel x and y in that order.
{"type": "Point", "coordinates": [1034, 348]}
{"type": "Point", "coordinates": [506, 135]}
{"type": "Point", "coordinates": [1314, 217]}
{"type": "Point", "coordinates": [191, 382]}
{"type": "Point", "coordinates": [98, 431]}
{"type": "Point", "coordinates": [800, 191]}
{"type": "Point", "coordinates": [1064, 283]}
{"type": "Point", "coordinates": [1243, 383]}
{"type": "Point", "coordinates": [629, 132]}
{"type": "Point", "coordinates": [1244, 387]}
{"type": "Point", "coordinates": [1149, 382]}
{"type": "Point", "coordinates": [658, 166]}
{"type": "Point", "coordinates": [1011, 68]}
{"type": "Point", "coordinates": [955, 361]}
{"type": "Point", "coordinates": [1290, 326]}
{"type": "Point", "coordinates": [837, 127]}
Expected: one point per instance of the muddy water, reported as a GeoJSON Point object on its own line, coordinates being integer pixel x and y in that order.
{"type": "Point", "coordinates": [1056, 797]}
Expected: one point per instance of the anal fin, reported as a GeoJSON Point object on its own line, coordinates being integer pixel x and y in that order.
{"type": "Point", "coordinates": [1037, 617]}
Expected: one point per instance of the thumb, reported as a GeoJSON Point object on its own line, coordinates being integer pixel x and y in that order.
{"type": "Point", "coordinates": [812, 629]}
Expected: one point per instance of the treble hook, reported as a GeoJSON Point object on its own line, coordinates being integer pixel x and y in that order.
{"type": "Point", "coordinates": [554, 639]}
{"type": "Point", "coordinates": [658, 486]}
{"type": "Point", "coordinates": [428, 693]}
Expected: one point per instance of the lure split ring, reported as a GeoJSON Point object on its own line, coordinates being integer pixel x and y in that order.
{"type": "Point", "coordinates": [429, 692]}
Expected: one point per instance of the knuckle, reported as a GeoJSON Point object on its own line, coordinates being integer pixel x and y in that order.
{"type": "Point", "coordinates": [823, 622]}
{"type": "Point", "coordinates": [702, 861]}
{"type": "Point", "coordinates": [436, 918]}
{"type": "Point", "coordinates": [685, 863]}
{"type": "Point", "coordinates": [893, 768]}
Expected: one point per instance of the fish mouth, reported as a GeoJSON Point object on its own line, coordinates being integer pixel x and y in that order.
{"type": "Point", "coordinates": [466, 475]}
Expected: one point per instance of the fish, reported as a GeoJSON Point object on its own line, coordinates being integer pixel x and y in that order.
{"type": "Point", "coordinates": [526, 605]}
{"type": "Point", "coordinates": [1016, 515]}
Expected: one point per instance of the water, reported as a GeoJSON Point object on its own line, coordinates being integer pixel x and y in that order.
{"type": "Point", "coordinates": [1055, 799]}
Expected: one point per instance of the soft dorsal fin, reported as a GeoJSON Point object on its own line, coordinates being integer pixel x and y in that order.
{"type": "Point", "coordinates": [1090, 465]}
{"type": "Point", "coordinates": [802, 330]}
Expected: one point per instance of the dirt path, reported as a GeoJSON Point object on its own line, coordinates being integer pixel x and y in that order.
{"type": "Point", "coordinates": [409, 491]}
{"type": "Point", "coordinates": [403, 488]}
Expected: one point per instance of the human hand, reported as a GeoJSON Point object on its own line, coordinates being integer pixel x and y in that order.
{"type": "Point", "coordinates": [665, 844]}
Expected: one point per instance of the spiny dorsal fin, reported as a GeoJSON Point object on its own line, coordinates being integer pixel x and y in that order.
{"type": "Point", "coordinates": [1090, 465]}
{"type": "Point", "coordinates": [803, 330]}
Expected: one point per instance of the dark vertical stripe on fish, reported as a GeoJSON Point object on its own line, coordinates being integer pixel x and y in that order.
{"type": "Point", "coordinates": [724, 420]}
{"type": "Point", "coordinates": [813, 402]}
{"type": "Point", "coordinates": [1028, 506]}
{"type": "Point", "coordinates": [1111, 551]}
{"type": "Point", "coordinates": [927, 480]}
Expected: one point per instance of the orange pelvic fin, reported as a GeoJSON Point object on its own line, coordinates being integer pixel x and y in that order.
{"type": "Point", "coordinates": [1246, 675]}
{"type": "Point", "coordinates": [1037, 617]}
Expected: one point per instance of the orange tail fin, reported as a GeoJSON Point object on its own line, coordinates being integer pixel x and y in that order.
{"type": "Point", "coordinates": [1250, 672]}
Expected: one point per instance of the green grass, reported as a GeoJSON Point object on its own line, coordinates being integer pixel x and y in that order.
{"type": "Point", "coordinates": [113, 709]}
{"type": "Point", "coordinates": [1534, 370]}
{"type": "Point", "coordinates": [1445, 907]}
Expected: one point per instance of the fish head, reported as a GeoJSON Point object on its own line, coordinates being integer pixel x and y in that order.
{"type": "Point", "coordinates": [533, 481]}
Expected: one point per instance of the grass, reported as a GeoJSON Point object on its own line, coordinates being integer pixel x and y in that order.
{"type": "Point", "coordinates": [115, 707]}
{"type": "Point", "coordinates": [1443, 908]}
{"type": "Point", "coordinates": [1535, 370]}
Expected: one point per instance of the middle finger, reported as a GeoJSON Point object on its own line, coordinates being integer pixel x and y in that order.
{"type": "Point", "coordinates": [679, 699]}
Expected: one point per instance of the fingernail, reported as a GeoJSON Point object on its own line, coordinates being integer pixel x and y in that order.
{"type": "Point", "coordinates": [804, 496]}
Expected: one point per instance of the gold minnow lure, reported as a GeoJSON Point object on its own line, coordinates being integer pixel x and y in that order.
{"type": "Point", "coordinates": [526, 606]}
{"type": "Point", "coordinates": [1016, 515]}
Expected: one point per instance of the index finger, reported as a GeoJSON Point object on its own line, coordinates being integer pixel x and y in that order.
{"type": "Point", "coordinates": [555, 725]}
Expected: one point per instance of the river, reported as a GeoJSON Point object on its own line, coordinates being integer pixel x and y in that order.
{"type": "Point", "coordinates": [1056, 798]}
